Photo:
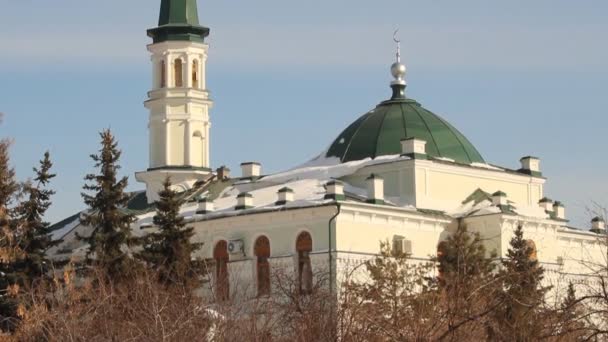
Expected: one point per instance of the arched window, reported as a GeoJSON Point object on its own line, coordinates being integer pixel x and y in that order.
{"type": "Point", "coordinates": [442, 251]}
{"type": "Point", "coordinates": [163, 74]}
{"type": "Point", "coordinates": [304, 247]}
{"type": "Point", "coordinates": [262, 253]}
{"type": "Point", "coordinates": [195, 74]}
{"type": "Point", "coordinates": [222, 283]}
{"type": "Point", "coordinates": [178, 73]}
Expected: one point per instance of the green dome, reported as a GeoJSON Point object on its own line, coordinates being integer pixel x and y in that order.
{"type": "Point", "coordinates": [379, 132]}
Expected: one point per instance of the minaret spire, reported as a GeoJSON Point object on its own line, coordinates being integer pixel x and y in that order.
{"type": "Point", "coordinates": [398, 71]}
{"type": "Point", "coordinates": [178, 12]}
{"type": "Point", "coordinates": [178, 20]}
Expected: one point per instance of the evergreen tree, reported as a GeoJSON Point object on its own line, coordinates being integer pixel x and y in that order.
{"type": "Point", "coordinates": [9, 249]}
{"type": "Point", "coordinates": [169, 250]}
{"type": "Point", "coordinates": [111, 231]}
{"type": "Point", "coordinates": [571, 324]}
{"type": "Point", "coordinates": [8, 188]}
{"type": "Point", "coordinates": [463, 258]}
{"type": "Point", "coordinates": [467, 281]}
{"type": "Point", "coordinates": [34, 235]}
{"type": "Point", "coordinates": [520, 316]}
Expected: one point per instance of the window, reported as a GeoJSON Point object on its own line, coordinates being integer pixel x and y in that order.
{"type": "Point", "coordinates": [195, 74]}
{"type": "Point", "coordinates": [442, 251]}
{"type": "Point", "coordinates": [303, 248]}
{"type": "Point", "coordinates": [262, 253]}
{"type": "Point", "coordinates": [163, 74]}
{"type": "Point", "coordinates": [401, 246]}
{"type": "Point", "coordinates": [222, 284]}
{"type": "Point", "coordinates": [178, 71]}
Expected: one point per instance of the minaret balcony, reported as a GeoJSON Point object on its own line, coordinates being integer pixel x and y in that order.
{"type": "Point", "coordinates": [182, 92]}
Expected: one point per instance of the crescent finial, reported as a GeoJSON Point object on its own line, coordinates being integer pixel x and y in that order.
{"type": "Point", "coordinates": [398, 41]}
{"type": "Point", "coordinates": [395, 37]}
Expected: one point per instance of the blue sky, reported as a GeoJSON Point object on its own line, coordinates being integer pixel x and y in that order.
{"type": "Point", "coordinates": [516, 77]}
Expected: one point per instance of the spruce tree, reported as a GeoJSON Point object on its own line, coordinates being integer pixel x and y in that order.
{"type": "Point", "coordinates": [34, 234]}
{"type": "Point", "coordinates": [9, 249]}
{"type": "Point", "coordinates": [570, 317]}
{"type": "Point", "coordinates": [8, 184]}
{"type": "Point", "coordinates": [110, 224]}
{"type": "Point", "coordinates": [467, 281]}
{"type": "Point", "coordinates": [520, 317]}
{"type": "Point", "coordinates": [169, 250]}
{"type": "Point", "coordinates": [463, 258]}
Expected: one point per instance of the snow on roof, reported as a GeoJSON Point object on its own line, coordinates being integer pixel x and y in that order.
{"type": "Point", "coordinates": [59, 233]}
{"type": "Point", "coordinates": [328, 168]}
{"type": "Point", "coordinates": [487, 166]}
{"type": "Point", "coordinates": [307, 182]}
{"type": "Point", "coordinates": [470, 208]}
{"type": "Point", "coordinates": [485, 207]}
{"type": "Point", "coordinates": [307, 193]}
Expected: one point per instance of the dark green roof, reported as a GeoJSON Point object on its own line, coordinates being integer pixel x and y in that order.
{"type": "Point", "coordinates": [380, 131]}
{"type": "Point", "coordinates": [178, 20]}
{"type": "Point", "coordinates": [178, 12]}
{"type": "Point", "coordinates": [477, 197]}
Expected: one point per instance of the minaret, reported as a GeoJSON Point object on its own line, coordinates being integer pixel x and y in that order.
{"type": "Point", "coordinates": [179, 102]}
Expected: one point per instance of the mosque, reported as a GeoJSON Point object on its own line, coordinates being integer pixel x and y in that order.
{"type": "Point", "coordinates": [398, 173]}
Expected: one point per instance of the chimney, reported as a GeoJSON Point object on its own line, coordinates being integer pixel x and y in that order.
{"type": "Point", "coordinates": [205, 206]}
{"type": "Point", "coordinates": [530, 166]}
{"type": "Point", "coordinates": [286, 195]}
{"type": "Point", "coordinates": [499, 198]}
{"type": "Point", "coordinates": [244, 201]}
{"type": "Point", "coordinates": [251, 169]}
{"type": "Point", "coordinates": [598, 225]}
{"type": "Point", "coordinates": [375, 189]}
{"type": "Point", "coordinates": [223, 173]}
{"type": "Point", "coordinates": [559, 210]}
{"type": "Point", "coordinates": [413, 148]}
{"type": "Point", "coordinates": [546, 203]}
{"type": "Point", "coordinates": [335, 190]}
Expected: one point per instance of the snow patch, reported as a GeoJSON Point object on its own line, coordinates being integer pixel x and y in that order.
{"type": "Point", "coordinates": [334, 169]}
{"type": "Point", "coordinates": [531, 211]}
{"type": "Point", "coordinates": [445, 159]}
{"type": "Point", "coordinates": [487, 166]}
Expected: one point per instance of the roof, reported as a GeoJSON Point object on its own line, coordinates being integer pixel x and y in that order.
{"type": "Point", "coordinates": [379, 132]}
{"type": "Point", "coordinates": [178, 12]}
{"type": "Point", "coordinates": [178, 21]}
{"type": "Point", "coordinates": [479, 203]}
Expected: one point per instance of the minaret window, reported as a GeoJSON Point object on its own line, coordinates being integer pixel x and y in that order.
{"type": "Point", "coordinates": [262, 253]}
{"type": "Point", "coordinates": [304, 247]}
{"type": "Point", "coordinates": [178, 73]}
{"type": "Point", "coordinates": [163, 74]}
{"type": "Point", "coordinates": [195, 83]}
{"type": "Point", "coordinates": [222, 283]}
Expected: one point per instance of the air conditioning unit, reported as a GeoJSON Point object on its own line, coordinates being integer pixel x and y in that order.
{"type": "Point", "coordinates": [560, 261]}
{"type": "Point", "coordinates": [236, 247]}
{"type": "Point", "coordinates": [401, 245]}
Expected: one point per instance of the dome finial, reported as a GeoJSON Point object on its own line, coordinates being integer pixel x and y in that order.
{"type": "Point", "coordinates": [398, 41]}
{"type": "Point", "coordinates": [398, 71]}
